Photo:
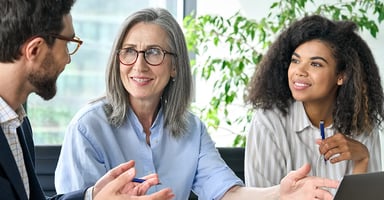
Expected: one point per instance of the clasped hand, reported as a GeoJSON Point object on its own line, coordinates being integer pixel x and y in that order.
{"type": "Point", "coordinates": [340, 147]}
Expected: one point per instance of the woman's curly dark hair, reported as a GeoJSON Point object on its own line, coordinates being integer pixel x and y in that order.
{"type": "Point", "coordinates": [359, 101]}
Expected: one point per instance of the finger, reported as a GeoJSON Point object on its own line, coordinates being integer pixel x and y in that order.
{"type": "Point", "coordinates": [325, 182]}
{"type": "Point", "coordinates": [338, 154]}
{"type": "Point", "coordinates": [319, 141]}
{"type": "Point", "coordinates": [141, 188]}
{"type": "Point", "coordinates": [335, 140]}
{"type": "Point", "coordinates": [136, 188]}
{"type": "Point", "coordinates": [112, 188]}
{"type": "Point", "coordinates": [150, 180]}
{"type": "Point", "coordinates": [130, 188]}
{"type": "Point", "coordinates": [121, 182]}
{"type": "Point", "coordinates": [154, 175]}
{"type": "Point", "coordinates": [341, 157]}
{"type": "Point", "coordinates": [326, 145]}
{"type": "Point", "coordinates": [117, 171]}
{"type": "Point", "coordinates": [323, 194]}
{"type": "Point", "coordinates": [153, 179]}
{"type": "Point", "coordinates": [300, 173]}
{"type": "Point", "coordinates": [111, 175]}
{"type": "Point", "coordinates": [332, 152]}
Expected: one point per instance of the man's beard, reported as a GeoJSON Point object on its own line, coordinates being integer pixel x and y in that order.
{"type": "Point", "coordinates": [43, 79]}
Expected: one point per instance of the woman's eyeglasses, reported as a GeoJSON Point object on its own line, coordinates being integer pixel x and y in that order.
{"type": "Point", "coordinates": [153, 56]}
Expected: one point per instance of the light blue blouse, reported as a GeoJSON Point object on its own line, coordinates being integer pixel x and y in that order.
{"type": "Point", "coordinates": [92, 146]}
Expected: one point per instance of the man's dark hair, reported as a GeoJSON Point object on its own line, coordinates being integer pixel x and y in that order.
{"type": "Point", "coordinates": [21, 20]}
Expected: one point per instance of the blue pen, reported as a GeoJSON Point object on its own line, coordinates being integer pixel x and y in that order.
{"type": "Point", "coordinates": [138, 180]}
{"type": "Point", "coordinates": [322, 133]}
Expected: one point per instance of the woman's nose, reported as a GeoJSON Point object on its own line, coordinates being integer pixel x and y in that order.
{"type": "Point", "coordinates": [301, 69]}
{"type": "Point", "coordinates": [140, 64]}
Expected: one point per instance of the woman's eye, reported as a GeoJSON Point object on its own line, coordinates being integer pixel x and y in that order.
{"type": "Point", "coordinates": [294, 60]}
{"type": "Point", "coordinates": [316, 64]}
{"type": "Point", "coordinates": [130, 51]}
{"type": "Point", "coordinates": [153, 51]}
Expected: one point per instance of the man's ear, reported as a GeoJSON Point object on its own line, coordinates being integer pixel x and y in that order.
{"type": "Point", "coordinates": [33, 48]}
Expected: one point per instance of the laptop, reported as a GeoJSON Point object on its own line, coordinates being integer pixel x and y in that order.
{"type": "Point", "coordinates": [369, 186]}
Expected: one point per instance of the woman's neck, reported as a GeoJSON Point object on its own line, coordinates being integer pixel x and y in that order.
{"type": "Point", "coordinates": [319, 111]}
{"type": "Point", "coordinates": [146, 112]}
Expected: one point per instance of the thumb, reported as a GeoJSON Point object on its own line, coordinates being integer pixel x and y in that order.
{"type": "Point", "coordinates": [301, 172]}
{"type": "Point", "coordinates": [122, 180]}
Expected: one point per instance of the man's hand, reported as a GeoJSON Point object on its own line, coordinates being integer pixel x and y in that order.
{"type": "Point", "coordinates": [297, 185]}
{"type": "Point", "coordinates": [117, 184]}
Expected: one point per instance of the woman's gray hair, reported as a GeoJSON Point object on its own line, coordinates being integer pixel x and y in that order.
{"type": "Point", "coordinates": [177, 94]}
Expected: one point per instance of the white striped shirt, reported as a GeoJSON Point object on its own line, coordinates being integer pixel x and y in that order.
{"type": "Point", "coordinates": [277, 145]}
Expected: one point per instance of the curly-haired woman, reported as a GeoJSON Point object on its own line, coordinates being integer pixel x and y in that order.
{"type": "Point", "coordinates": [316, 70]}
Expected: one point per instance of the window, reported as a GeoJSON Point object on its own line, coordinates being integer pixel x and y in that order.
{"type": "Point", "coordinates": [96, 23]}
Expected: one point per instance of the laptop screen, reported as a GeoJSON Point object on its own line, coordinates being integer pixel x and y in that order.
{"type": "Point", "coordinates": [369, 186]}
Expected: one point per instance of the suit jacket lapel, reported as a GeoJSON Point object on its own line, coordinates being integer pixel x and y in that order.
{"type": "Point", "coordinates": [8, 163]}
{"type": "Point", "coordinates": [26, 142]}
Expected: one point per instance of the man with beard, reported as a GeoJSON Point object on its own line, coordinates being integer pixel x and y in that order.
{"type": "Point", "coordinates": [36, 40]}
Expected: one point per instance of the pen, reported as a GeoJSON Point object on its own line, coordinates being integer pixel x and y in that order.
{"type": "Point", "coordinates": [322, 133]}
{"type": "Point", "coordinates": [138, 180]}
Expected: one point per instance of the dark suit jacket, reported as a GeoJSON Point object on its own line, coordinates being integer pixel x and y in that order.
{"type": "Point", "coordinates": [11, 184]}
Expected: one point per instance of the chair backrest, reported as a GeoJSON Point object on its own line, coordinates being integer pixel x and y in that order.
{"type": "Point", "coordinates": [45, 165]}
{"type": "Point", "coordinates": [234, 157]}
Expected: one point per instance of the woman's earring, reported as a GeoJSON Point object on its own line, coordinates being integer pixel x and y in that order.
{"type": "Point", "coordinates": [340, 81]}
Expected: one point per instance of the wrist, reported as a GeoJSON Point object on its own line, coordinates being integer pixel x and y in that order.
{"type": "Point", "coordinates": [361, 166]}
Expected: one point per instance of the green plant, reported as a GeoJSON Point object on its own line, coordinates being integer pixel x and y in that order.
{"type": "Point", "coordinates": [242, 42]}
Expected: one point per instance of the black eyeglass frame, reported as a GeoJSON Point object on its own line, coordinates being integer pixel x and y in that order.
{"type": "Point", "coordinates": [65, 38]}
{"type": "Point", "coordinates": [143, 52]}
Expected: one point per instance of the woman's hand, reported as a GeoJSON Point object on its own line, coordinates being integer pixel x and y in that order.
{"type": "Point", "coordinates": [340, 147]}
